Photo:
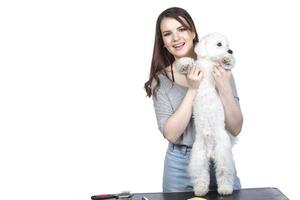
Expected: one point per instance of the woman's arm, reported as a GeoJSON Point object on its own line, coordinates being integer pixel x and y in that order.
{"type": "Point", "coordinates": [233, 114]}
{"type": "Point", "coordinates": [177, 122]}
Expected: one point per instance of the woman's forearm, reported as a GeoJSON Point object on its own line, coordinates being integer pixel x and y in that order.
{"type": "Point", "coordinates": [233, 114]}
{"type": "Point", "coordinates": [178, 122]}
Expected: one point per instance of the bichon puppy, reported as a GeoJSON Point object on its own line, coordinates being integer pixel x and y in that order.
{"type": "Point", "coordinates": [212, 141]}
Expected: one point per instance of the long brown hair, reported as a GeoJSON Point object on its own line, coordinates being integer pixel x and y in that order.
{"type": "Point", "coordinates": [161, 57]}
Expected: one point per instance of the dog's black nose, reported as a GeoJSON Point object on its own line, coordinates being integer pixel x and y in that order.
{"type": "Point", "coordinates": [230, 51]}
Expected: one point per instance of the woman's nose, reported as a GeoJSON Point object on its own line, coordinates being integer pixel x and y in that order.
{"type": "Point", "coordinates": [175, 37]}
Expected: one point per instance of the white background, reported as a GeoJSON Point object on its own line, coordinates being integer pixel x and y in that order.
{"type": "Point", "coordinates": [74, 119]}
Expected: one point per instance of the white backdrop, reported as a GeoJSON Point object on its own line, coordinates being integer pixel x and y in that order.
{"type": "Point", "coordinates": [74, 119]}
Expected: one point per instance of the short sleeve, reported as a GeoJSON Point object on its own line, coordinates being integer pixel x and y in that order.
{"type": "Point", "coordinates": [163, 108]}
{"type": "Point", "coordinates": [234, 90]}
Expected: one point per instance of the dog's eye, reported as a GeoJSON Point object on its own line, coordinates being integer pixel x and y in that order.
{"type": "Point", "coordinates": [219, 44]}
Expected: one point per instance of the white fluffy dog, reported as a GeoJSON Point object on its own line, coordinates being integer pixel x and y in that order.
{"type": "Point", "coordinates": [212, 141]}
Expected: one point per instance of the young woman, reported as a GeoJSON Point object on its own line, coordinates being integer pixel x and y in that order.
{"type": "Point", "coordinates": [173, 96]}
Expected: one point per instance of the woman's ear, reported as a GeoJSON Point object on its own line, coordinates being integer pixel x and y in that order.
{"type": "Point", "coordinates": [194, 35]}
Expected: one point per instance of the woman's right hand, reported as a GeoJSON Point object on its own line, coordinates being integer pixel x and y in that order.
{"type": "Point", "coordinates": [178, 121]}
{"type": "Point", "coordinates": [194, 77]}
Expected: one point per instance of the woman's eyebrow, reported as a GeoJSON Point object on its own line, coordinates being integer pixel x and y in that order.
{"type": "Point", "coordinates": [178, 28]}
{"type": "Point", "coordinates": [166, 31]}
{"type": "Point", "coordinates": [182, 26]}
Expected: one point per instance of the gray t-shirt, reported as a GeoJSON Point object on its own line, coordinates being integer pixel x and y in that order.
{"type": "Point", "coordinates": [169, 97]}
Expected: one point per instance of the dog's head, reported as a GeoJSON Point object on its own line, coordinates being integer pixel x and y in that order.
{"type": "Point", "coordinates": [215, 47]}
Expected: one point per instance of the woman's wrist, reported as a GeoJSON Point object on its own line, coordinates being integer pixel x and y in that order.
{"type": "Point", "coordinates": [192, 92]}
{"type": "Point", "coordinates": [226, 94]}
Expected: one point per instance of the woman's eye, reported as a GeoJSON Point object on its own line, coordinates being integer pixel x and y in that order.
{"type": "Point", "coordinates": [182, 29]}
{"type": "Point", "coordinates": [166, 34]}
{"type": "Point", "coordinates": [219, 44]}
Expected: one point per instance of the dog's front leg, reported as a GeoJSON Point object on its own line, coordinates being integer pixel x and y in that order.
{"type": "Point", "coordinates": [199, 169]}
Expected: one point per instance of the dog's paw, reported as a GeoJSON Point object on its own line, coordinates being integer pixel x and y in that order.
{"type": "Point", "coordinates": [200, 189]}
{"type": "Point", "coordinates": [225, 189]}
{"type": "Point", "coordinates": [227, 62]}
{"type": "Point", "coordinates": [183, 64]}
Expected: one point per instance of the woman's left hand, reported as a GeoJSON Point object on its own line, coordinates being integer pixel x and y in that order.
{"type": "Point", "coordinates": [222, 78]}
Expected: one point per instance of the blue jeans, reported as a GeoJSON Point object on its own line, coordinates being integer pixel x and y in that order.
{"type": "Point", "coordinates": [176, 177]}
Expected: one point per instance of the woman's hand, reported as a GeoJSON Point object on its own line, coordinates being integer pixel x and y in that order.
{"type": "Point", "coordinates": [194, 77]}
{"type": "Point", "coordinates": [222, 79]}
{"type": "Point", "coordinates": [177, 123]}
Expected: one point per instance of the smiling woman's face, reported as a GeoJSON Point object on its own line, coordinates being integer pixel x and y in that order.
{"type": "Point", "coordinates": [177, 38]}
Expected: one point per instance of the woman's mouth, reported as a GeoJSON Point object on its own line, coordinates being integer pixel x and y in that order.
{"type": "Point", "coordinates": [178, 46]}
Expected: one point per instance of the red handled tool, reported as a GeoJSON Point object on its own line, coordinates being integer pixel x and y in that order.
{"type": "Point", "coordinates": [122, 195]}
{"type": "Point", "coordinates": [104, 196]}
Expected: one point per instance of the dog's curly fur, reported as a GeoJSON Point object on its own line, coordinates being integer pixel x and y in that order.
{"type": "Point", "coordinates": [212, 141]}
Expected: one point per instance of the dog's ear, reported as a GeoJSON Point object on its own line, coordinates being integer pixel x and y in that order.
{"type": "Point", "coordinates": [200, 48]}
